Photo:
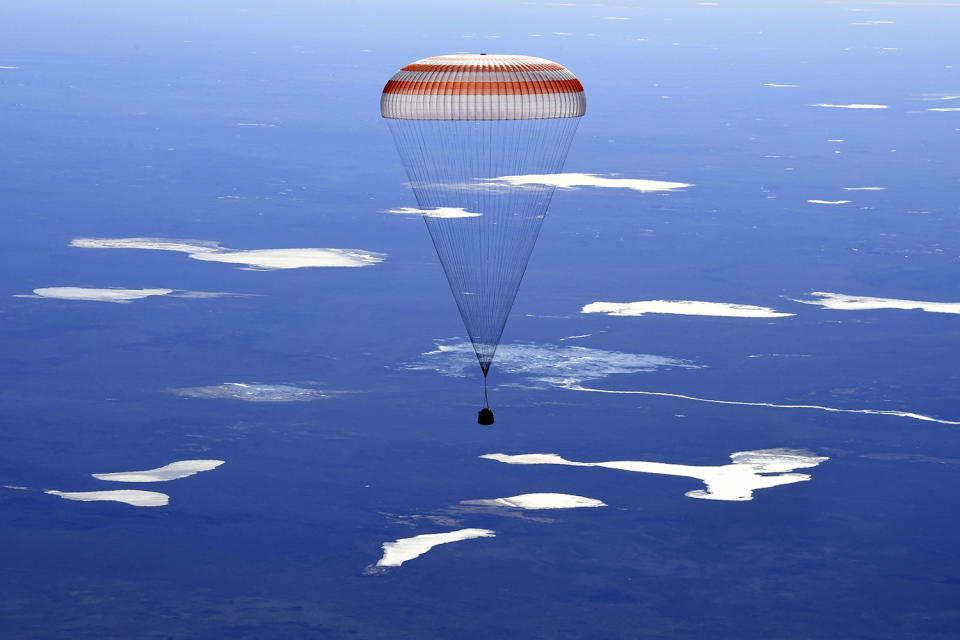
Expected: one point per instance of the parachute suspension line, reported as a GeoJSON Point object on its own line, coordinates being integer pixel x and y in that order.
{"type": "Point", "coordinates": [486, 400]}
{"type": "Point", "coordinates": [483, 228]}
{"type": "Point", "coordinates": [485, 415]}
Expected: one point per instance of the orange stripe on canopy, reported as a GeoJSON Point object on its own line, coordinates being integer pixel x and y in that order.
{"type": "Point", "coordinates": [433, 88]}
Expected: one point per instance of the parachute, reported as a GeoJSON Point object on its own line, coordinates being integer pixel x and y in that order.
{"type": "Point", "coordinates": [474, 132]}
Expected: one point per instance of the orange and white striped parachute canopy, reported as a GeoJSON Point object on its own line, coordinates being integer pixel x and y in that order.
{"type": "Point", "coordinates": [483, 87]}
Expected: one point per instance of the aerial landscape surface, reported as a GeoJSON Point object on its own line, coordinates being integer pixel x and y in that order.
{"type": "Point", "coordinates": [239, 399]}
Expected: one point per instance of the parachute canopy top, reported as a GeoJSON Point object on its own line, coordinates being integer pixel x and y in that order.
{"type": "Point", "coordinates": [482, 87]}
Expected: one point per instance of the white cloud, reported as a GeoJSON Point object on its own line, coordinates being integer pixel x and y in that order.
{"type": "Point", "coordinates": [616, 18]}
{"type": "Point", "coordinates": [398, 552]}
{"type": "Point", "coordinates": [437, 212]}
{"type": "Point", "coordinates": [538, 501]}
{"type": "Point", "coordinates": [938, 98]}
{"type": "Point", "coordinates": [128, 496]}
{"type": "Point", "coordinates": [8, 67]}
{"type": "Point", "coordinates": [573, 386]}
{"type": "Point", "coordinates": [780, 86]}
{"type": "Point", "coordinates": [253, 260]}
{"type": "Point", "coordinates": [682, 307]}
{"type": "Point", "coordinates": [552, 364]}
{"type": "Point", "coordinates": [751, 470]}
{"type": "Point", "coordinates": [864, 188]}
{"type": "Point", "coordinates": [829, 201]}
{"type": "Point", "coordinates": [850, 106]}
{"type": "Point", "coordinates": [252, 392]}
{"type": "Point", "coordinates": [573, 180]}
{"type": "Point", "coordinates": [121, 296]}
{"type": "Point", "coordinates": [846, 302]}
{"type": "Point", "coordinates": [945, 109]}
{"type": "Point", "coordinates": [172, 471]}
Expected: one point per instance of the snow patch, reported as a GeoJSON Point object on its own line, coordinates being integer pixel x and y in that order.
{"type": "Point", "coordinates": [172, 471]}
{"type": "Point", "coordinates": [850, 106]}
{"type": "Point", "coordinates": [749, 471]}
{"type": "Point", "coordinates": [120, 296]}
{"type": "Point", "coordinates": [397, 552]}
{"type": "Point", "coordinates": [252, 392]}
{"type": "Point", "coordinates": [252, 260]}
{"type": "Point", "coordinates": [551, 364]}
{"type": "Point", "coordinates": [127, 496]}
{"type": "Point", "coordinates": [844, 302]}
{"type": "Point", "coordinates": [573, 180]}
{"type": "Point", "coordinates": [437, 212]}
{"type": "Point", "coordinates": [539, 501]}
{"type": "Point", "coordinates": [684, 308]}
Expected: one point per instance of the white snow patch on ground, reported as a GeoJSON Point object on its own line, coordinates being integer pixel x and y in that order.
{"type": "Point", "coordinates": [850, 106]}
{"type": "Point", "coordinates": [117, 295]}
{"type": "Point", "coordinates": [270, 259]}
{"type": "Point", "coordinates": [128, 496]}
{"type": "Point", "coordinates": [252, 260]}
{"type": "Point", "coordinates": [682, 307]}
{"type": "Point", "coordinates": [155, 244]}
{"type": "Point", "coordinates": [172, 471]}
{"type": "Point", "coordinates": [120, 296]}
{"type": "Point", "coordinates": [844, 302]}
{"type": "Point", "coordinates": [539, 501]}
{"type": "Point", "coordinates": [437, 212]}
{"type": "Point", "coordinates": [552, 364]}
{"type": "Point", "coordinates": [252, 392]}
{"type": "Point", "coordinates": [573, 180]}
{"type": "Point", "coordinates": [397, 552]}
{"type": "Point", "coordinates": [750, 470]}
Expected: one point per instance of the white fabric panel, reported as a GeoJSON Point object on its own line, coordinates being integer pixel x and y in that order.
{"type": "Point", "coordinates": [483, 59]}
{"type": "Point", "coordinates": [407, 106]}
{"type": "Point", "coordinates": [482, 76]}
